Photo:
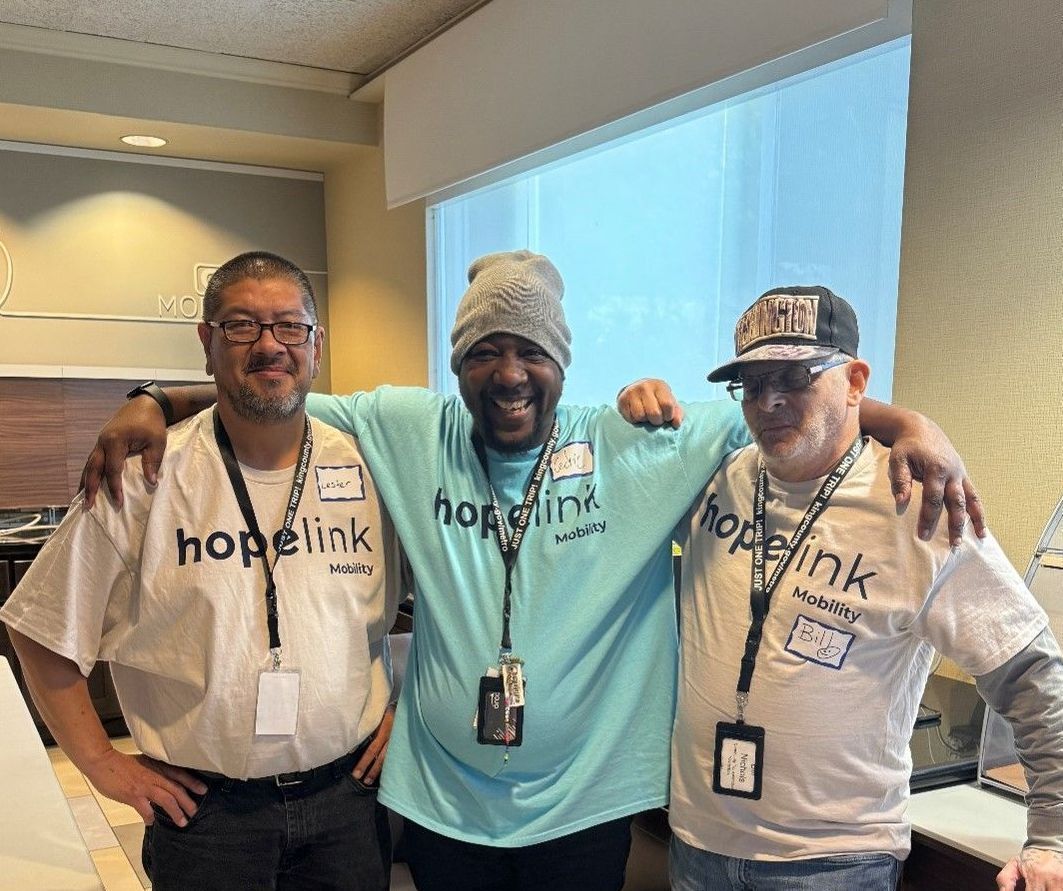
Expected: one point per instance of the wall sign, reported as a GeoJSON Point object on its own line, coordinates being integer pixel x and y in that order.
{"type": "Point", "coordinates": [104, 263]}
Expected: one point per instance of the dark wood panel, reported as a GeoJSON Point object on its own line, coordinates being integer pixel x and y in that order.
{"type": "Point", "coordinates": [933, 866]}
{"type": "Point", "coordinates": [32, 461]}
{"type": "Point", "coordinates": [47, 428]}
{"type": "Point", "coordinates": [87, 404]}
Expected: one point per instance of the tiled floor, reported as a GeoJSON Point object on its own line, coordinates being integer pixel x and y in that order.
{"type": "Point", "coordinates": [112, 831]}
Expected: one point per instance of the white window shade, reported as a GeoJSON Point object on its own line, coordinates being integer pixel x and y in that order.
{"type": "Point", "coordinates": [521, 83]}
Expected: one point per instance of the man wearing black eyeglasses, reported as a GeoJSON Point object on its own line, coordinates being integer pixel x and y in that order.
{"type": "Point", "coordinates": [810, 611]}
{"type": "Point", "coordinates": [243, 601]}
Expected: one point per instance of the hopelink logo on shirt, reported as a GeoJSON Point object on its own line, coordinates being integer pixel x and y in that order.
{"type": "Point", "coordinates": [550, 510]}
{"type": "Point", "coordinates": [818, 564]}
{"type": "Point", "coordinates": [308, 536]}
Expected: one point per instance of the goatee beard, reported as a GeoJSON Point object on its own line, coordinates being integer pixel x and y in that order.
{"type": "Point", "coordinates": [252, 406]}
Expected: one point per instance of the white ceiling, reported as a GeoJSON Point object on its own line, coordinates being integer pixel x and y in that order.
{"type": "Point", "coordinates": [266, 82]}
{"type": "Point", "coordinates": [352, 36]}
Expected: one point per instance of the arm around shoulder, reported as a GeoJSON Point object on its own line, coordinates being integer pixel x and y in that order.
{"type": "Point", "coordinates": [139, 428]}
{"type": "Point", "coordinates": [920, 449]}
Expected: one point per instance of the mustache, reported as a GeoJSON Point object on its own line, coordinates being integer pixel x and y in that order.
{"type": "Point", "coordinates": [259, 363]}
{"type": "Point", "coordinates": [776, 421]}
{"type": "Point", "coordinates": [498, 393]}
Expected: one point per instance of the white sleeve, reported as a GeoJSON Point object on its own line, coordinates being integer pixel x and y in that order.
{"type": "Point", "coordinates": [978, 612]}
{"type": "Point", "coordinates": [75, 598]}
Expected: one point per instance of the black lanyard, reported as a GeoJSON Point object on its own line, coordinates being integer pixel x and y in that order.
{"type": "Point", "coordinates": [232, 467]}
{"type": "Point", "coordinates": [760, 592]}
{"type": "Point", "coordinates": [510, 545]}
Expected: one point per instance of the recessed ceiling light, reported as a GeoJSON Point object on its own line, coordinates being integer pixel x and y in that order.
{"type": "Point", "coordinates": [144, 141]}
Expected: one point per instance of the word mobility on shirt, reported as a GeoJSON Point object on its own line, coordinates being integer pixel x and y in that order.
{"type": "Point", "coordinates": [832, 606]}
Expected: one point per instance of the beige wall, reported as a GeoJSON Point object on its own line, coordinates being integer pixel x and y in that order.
{"type": "Point", "coordinates": [980, 320]}
{"type": "Point", "coordinates": [376, 258]}
{"type": "Point", "coordinates": [102, 260]}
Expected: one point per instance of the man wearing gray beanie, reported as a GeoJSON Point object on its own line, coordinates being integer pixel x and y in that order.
{"type": "Point", "coordinates": [513, 293]}
{"type": "Point", "coordinates": [538, 701]}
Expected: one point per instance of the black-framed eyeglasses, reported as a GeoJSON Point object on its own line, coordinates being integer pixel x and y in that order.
{"type": "Point", "coordinates": [249, 331]}
{"type": "Point", "coordinates": [785, 380]}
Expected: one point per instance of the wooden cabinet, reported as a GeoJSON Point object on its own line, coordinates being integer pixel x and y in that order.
{"type": "Point", "coordinates": [933, 866]}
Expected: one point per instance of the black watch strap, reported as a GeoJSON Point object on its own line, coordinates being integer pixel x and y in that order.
{"type": "Point", "coordinates": [152, 389]}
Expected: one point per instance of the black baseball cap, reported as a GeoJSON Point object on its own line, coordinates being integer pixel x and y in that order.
{"type": "Point", "coordinates": [792, 325]}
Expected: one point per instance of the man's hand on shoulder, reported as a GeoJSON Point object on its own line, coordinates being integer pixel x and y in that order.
{"type": "Point", "coordinates": [927, 454]}
{"type": "Point", "coordinates": [140, 781]}
{"type": "Point", "coordinates": [649, 401]}
{"type": "Point", "coordinates": [1040, 869]}
{"type": "Point", "coordinates": [138, 427]}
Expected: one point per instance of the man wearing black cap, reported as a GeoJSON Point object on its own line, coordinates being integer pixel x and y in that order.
{"type": "Point", "coordinates": [538, 699]}
{"type": "Point", "coordinates": [810, 611]}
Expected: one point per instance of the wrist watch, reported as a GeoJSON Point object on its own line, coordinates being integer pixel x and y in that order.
{"type": "Point", "coordinates": [152, 389]}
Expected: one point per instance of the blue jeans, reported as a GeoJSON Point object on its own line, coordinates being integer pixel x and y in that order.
{"type": "Point", "coordinates": [255, 836]}
{"type": "Point", "coordinates": [691, 869]}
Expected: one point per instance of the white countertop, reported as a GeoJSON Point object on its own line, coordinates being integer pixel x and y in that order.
{"type": "Point", "coordinates": [40, 846]}
{"type": "Point", "coordinates": [984, 824]}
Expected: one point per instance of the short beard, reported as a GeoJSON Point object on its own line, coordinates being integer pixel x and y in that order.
{"type": "Point", "coordinates": [258, 409]}
{"type": "Point", "coordinates": [534, 440]}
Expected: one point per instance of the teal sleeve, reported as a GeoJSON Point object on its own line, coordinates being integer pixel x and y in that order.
{"type": "Point", "coordinates": [397, 429]}
{"type": "Point", "coordinates": [709, 433]}
{"type": "Point", "coordinates": [337, 411]}
{"type": "Point", "coordinates": [385, 409]}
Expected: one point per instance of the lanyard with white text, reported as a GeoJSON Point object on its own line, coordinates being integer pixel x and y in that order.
{"type": "Point", "coordinates": [760, 592]}
{"type": "Point", "coordinates": [510, 545]}
{"type": "Point", "coordinates": [284, 536]}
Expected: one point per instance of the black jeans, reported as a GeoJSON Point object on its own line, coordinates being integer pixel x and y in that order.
{"type": "Point", "coordinates": [593, 859]}
{"type": "Point", "coordinates": [251, 836]}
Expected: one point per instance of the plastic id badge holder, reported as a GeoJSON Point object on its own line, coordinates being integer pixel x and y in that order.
{"type": "Point", "coordinates": [738, 762]}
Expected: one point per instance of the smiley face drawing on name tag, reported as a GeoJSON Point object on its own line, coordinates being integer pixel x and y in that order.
{"type": "Point", "coordinates": [340, 483]}
{"type": "Point", "coordinates": [819, 643]}
{"type": "Point", "coordinates": [572, 460]}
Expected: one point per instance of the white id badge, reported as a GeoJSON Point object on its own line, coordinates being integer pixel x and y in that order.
{"type": "Point", "coordinates": [739, 760]}
{"type": "Point", "coordinates": [278, 703]}
{"type": "Point", "coordinates": [513, 684]}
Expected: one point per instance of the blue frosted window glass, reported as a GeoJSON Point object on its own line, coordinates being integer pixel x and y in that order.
{"type": "Point", "coordinates": [665, 237]}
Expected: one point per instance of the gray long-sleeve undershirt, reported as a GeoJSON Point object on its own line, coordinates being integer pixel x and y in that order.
{"type": "Point", "coordinates": [1027, 690]}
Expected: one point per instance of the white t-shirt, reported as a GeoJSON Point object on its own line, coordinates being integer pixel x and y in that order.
{"type": "Point", "coordinates": [843, 662]}
{"type": "Point", "coordinates": [170, 591]}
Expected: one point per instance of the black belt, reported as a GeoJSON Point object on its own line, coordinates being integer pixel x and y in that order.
{"type": "Point", "coordinates": [315, 777]}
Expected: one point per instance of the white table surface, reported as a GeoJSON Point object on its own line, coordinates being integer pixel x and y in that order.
{"type": "Point", "coordinates": [40, 845]}
{"type": "Point", "coordinates": [984, 824]}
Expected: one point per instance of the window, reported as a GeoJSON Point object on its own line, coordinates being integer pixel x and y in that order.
{"type": "Point", "coordinates": [665, 237]}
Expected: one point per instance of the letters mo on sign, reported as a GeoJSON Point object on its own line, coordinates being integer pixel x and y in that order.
{"type": "Point", "coordinates": [187, 307]}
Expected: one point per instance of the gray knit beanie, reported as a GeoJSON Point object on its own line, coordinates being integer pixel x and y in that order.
{"type": "Point", "coordinates": [516, 292]}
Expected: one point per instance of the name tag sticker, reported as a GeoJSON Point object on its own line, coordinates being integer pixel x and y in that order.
{"type": "Point", "coordinates": [819, 643]}
{"type": "Point", "coordinates": [571, 460]}
{"type": "Point", "coordinates": [340, 483]}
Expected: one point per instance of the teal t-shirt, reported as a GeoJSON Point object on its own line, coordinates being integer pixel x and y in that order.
{"type": "Point", "coordinates": [593, 616]}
